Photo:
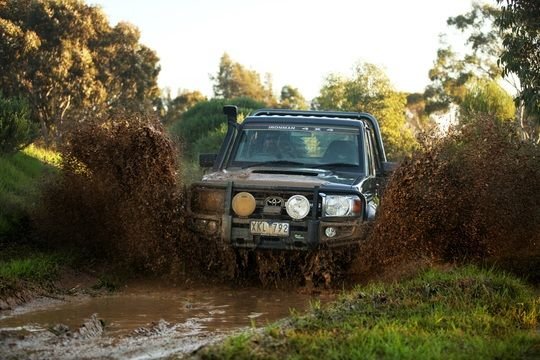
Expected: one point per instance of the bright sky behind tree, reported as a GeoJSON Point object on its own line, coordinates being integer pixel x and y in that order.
{"type": "Point", "coordinates": [299, 42]}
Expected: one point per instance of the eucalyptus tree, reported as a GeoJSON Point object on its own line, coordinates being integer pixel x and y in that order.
{"type": "Point", "coordinates": [370, 90]}
{"type": "Point", "coordinates": [64, 57]}
{"type": "Point", "coordinates": [233, 80]}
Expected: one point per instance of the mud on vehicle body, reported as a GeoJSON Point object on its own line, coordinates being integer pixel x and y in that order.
{"type": "Point", "coordinates": [288, 179]}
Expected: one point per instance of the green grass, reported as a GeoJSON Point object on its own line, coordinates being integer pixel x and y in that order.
{"type": "Point", "coordinates": [36, 267]}
{"type": "Point", "coordinates": [20, 178]}
{"type": "Point", "coordinates": [463, 313]}
{"type": "Point", "coordinates": [23, 267]}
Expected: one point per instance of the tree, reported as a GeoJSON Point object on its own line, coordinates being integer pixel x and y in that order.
{"type": "Point", "coordinates": [452, 71]}
{"type": "Point", "coordinates": [291, 98]}
{"type": "Point", "coordinates": [370, 90]}
{"type": "Point", "coordinates": [65, 59]}
{"type": "Point", "coordinates": [174, 108]}
{"type": "Point", "coordinates": [233, 80]}
{"type": "Point", "coordinates": [486, 97]}
{"type": "Point", "coordinates": [128, 69]}
{"type": "Point", "coordinates": [521, 52]}
{"type": "Point", "coordinates": [16, 128]}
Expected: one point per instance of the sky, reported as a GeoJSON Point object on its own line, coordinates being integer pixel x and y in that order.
{"type": "Point", "coordinates": [299, 42]}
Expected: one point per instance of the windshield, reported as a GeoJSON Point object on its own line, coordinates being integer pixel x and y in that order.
{"type": "Point", "coordinates": [297, 145]}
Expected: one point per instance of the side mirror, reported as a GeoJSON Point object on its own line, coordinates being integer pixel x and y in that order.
{"type": "Point", "coordinates": [389, 167]}
{"type": "Point", "coordinates": [207, 160]}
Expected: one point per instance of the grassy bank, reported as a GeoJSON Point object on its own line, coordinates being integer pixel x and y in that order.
{"type": "Point", "coordinates": [463, 313]}
{"type": "Point", "coordinates": [22, 266]}
{"type": "Point", "coordinates": [20, 178]}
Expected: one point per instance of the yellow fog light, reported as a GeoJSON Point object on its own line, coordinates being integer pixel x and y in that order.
{"type": "Point", "coordinates": [243, 204]}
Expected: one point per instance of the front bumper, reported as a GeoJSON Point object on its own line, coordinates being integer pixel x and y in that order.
{"type": "Point", "coordinates": [303, 235]}
{"type": "Point", "coordinates": [306, 234]}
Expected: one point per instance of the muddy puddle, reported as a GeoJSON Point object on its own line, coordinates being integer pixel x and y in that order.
{"type": "Point", "coordinates": [141, 322]}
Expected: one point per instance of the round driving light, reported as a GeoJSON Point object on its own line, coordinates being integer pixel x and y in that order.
{"type": "Point", "coordinates": [243, 204]}
{"type": "Point", "coordinates": [297, 207]}
{"type": "Point", "coordinates": [330, 232]}
{"type": "Point", "coordinates": [212, 226]}
{"type": "Point", "coordinates": [337, 206]}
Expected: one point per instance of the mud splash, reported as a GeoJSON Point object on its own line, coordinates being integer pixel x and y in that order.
{"type": "Point", "coordinates": [142, 322]}
{"type": "Point", "coordinates": [473, 196]}
{"type": "Point", "coordinates": [118, 197]}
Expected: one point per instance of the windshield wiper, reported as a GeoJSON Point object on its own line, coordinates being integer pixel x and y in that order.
{"type": "Point", "coordinates": [332, 165]}
{"type": "Point", "coordinates": [274, 162]}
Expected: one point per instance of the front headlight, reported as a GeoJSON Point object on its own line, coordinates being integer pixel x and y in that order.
{"type": "Point", "coordinates": [297, 207]}
{"type": "Point", "coordinates": [207, 200]}
{"type": "Point", "coordinates": [342, 205]}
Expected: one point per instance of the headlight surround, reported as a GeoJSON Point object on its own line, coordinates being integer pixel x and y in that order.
{"type": "Point", "coordinates": [297, 207]}
{"type": "Point", "coordinates": [342, 205]}
{"type": "Point", "coordinates": [207, 200]}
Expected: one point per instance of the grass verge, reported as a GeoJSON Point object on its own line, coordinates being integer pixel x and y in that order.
{"type": "Point", "coordinates": [463, 313]}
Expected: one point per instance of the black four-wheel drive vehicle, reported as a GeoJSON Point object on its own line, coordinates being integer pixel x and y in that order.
{"type": "Point", "coordinates": [287, 179]}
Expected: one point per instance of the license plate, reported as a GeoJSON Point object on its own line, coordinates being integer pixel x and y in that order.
{"type": "Point", "coordinates": [269, 228]}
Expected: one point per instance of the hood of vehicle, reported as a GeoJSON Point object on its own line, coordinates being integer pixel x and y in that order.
{"type": "Point", "coordinates": [286, 177]}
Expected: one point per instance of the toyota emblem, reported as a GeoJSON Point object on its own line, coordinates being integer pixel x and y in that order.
{"type": "Point", "coordinates": [274, 201]}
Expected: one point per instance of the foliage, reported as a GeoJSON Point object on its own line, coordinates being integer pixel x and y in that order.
{"type": "Point", "coordinates": [233, 80]}
{"type": "Point", "coordinates": [117, 197]}
{"type": "Point", "coordinates": [452, 72]}
{"type": "Point", "coordinates": [521, 53]}
{"type": "Point", "coordinates": [66, 59]}
{"type": "Point", "coordinates": [456, 314]}
{"type": "Point", "coordinates": [172, 109]}
{"type": "Point", "coordinates": [205, 120]}
{"type": "Point", "coordinates": [488, 98]}
{"type": "Point", "coordinates": [211, 142]}
{"type": "Point", "coordinates": [370, 90]}
{"type": "Point", "coordinates": [16, 128]}
{"type": "Point", "coordinates": [291, 98]}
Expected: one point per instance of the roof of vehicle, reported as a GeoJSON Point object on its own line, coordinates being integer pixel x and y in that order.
{"type": "Point", "coordinates": [338, 118]}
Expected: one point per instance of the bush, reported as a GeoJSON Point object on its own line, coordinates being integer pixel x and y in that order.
{"type": "Point", "coordinates": [471, 196]}
{"type": "Point", "coordinates": [206, 118]}
{"type": "Point", "coordinates": [16, 129]}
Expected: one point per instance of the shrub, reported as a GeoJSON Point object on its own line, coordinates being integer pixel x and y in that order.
{"type": "Point", "coordinates": [16, 129]}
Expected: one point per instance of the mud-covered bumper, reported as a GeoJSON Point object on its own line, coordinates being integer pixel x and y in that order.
{"type": "Point", "coordinates": [303, 235]}
{"type": "Point", "coordinates": [217, 221]}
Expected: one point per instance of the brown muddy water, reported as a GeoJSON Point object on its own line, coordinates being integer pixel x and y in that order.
{"type": "Point", "coordinates": [141, 322]}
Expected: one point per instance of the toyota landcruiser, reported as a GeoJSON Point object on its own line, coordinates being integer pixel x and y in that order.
{"type": "Point", "coordinates": [290, 179]}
